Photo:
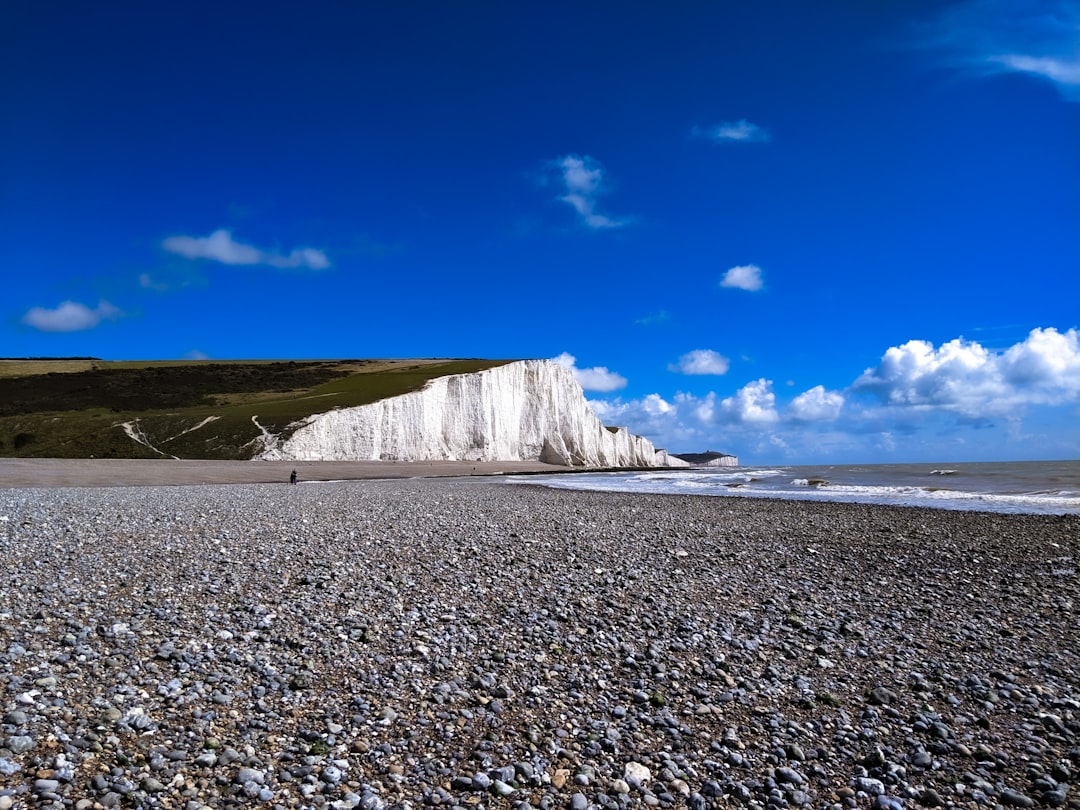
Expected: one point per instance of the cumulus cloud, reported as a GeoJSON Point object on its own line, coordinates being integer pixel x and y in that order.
{"type": "Point", "coordinates": [221, 247]}
{"type": "Point", "coordinates": [965, 377]}
{"type": "Point", "coordinates": [686, 422]}
{"type": "Point", "coordinates": [1033, 37]}
{"type": "Point", "coordinates": [582, 181]}
{"type": "Point", "coordinates": [650, 406]}
{"type": "Point", "coordinates": [744, 277]}
{"type": "Point", "coordinates": [1046, 364]}
{"type": "Point", "coordinates": [920, 401]}
{"type": "Point", "coordinates": [70, 316]}
{"type": "Point", "coordinates": [598, 378]}
{"type": "Point", "coordinates": [816, 405]}
{"type": "Point", "coordinates": [755, 403]}
{"type": "Point", "coordinates": [741, 131]}
{"type": "Point", "coordinates": [701, 361]}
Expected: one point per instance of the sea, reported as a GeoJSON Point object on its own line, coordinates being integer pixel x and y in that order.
{"type": "Point", "coordinates": [1019, 487]}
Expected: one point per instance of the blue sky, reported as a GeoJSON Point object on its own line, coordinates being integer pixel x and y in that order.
{"type": "Point", "coordinates": [800, 232]}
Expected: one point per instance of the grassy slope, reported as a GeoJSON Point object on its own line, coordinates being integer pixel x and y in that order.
{"type": "Point", "coordinates": [75, 408]}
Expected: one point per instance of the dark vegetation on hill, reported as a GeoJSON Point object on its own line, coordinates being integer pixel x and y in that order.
{"type": "Point", "coordinates": [142, 389]}
{"type": "Point", "coordinates": [78, 407]}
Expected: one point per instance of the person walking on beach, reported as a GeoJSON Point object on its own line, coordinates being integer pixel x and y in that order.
{"type": "Point", "coordinates": [292, 477]}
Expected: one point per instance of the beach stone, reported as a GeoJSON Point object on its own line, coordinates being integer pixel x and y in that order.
{"type": "Point", "coordinates": [536, 645]}
{"type": "Point", "coordinates": [636, 775]}
{"type": "Point", "coordinates": [888, 803]}
{"type": "Point", "coordinates": [871, 787]}
{"type": "Point", "coordinates": [1014, 798]}
{"type": "Point", "coordinates": [1056, 797]}
{"type": "Point", "coordinates": [481, 781]}
{"type": "Point", "coordinates": [931, 798]}
{"type": "Point", "coordinates": [880, 696]}
{"type": "Point", "coordinates": [250, 775]}
{"type": "Point", "coordinates": [789, 776]}
{"type": "Point", "coordinates": [20, 744]}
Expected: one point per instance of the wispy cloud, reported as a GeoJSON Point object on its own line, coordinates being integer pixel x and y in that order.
{"type": "Point", "coordinates": [744, 277]}
{"type": "Point", "coordinates": [173, 275]}
{"type": "Point", "coordinates": [221, 247]}
{"type": "Point", "coordinates": [701, 361]}
{"type": "Point", "coordinates": [654, 318]}
{"type": "Point", "coordinates": [741, 131]}
{"type": "Point", "coordinates": [598, 378]}
{"type": "Point", "coordinates": [582, 181]}
{"type": "Point", "coordinates": [70, 316]}
{"type": "Point", "coordinates": [1039, 38]}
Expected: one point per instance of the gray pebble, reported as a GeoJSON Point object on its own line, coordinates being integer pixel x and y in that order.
{"type": "Point", "coordinates": [20, 744]}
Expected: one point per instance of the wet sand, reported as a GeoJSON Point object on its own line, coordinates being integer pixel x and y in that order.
{"type": "Point", "coordinates": [56, 472]}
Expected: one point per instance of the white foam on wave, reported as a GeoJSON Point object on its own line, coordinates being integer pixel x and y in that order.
{"type": "Point", "coordinates": [755, 484]}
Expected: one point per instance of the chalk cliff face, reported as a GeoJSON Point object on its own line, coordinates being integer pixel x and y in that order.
{"type": "Point", "coordinates": [523, 411]}
{"type": "Point", "coordinates": [723, 461]}
{"type": "Point", "coordinates": [710, 459]}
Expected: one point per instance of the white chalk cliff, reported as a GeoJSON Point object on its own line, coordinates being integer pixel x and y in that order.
{"type": "Point", "coordinates": [531, 410]}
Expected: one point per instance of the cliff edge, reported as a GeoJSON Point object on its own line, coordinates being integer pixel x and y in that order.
{"type": "Point", "coordinates": [531, 410]}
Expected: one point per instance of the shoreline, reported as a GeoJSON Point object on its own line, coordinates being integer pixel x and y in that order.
{"type": "Point", "coordinates": [38, 472]}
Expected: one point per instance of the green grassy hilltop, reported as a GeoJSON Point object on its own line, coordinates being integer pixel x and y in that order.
{"type": "Point", "coordinates": [83, 407]}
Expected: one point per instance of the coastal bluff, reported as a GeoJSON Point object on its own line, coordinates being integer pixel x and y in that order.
{"type": "Point", "coordinates": [529, 410]}
{"type": "Point", "coordinates": [710, 458]}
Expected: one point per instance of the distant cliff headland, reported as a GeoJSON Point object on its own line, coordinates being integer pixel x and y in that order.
{"type": "Point", "coordinates": [334, 410]}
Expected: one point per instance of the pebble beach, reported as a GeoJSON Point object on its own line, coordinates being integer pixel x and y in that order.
{"type": "Point", "coordinates": [467, 642]}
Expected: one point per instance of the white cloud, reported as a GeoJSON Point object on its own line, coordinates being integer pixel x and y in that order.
{"type": "Point", "coordinates": [921, 402]}
{"type": "Point", "coordinates": [582, 179]}
{"type": "Point", "coordinates": [701, 361]}
{"type": "Point", "coordinates": [1056, 70]}
{"type": "Point", "coordinates": [1046, 365]}
{"type": "Point", "coordinates": [701, 409]}
{"type": "Point", "coordinates": [310, 258]}
{"type": "Point", "coordinates": [598, 378]}
{"type": "Point", "coordinates": [816, 405]}
{"type": "Point", "coordinates": [654, 318]}
{"type": "Point", "coordinates": [221, 247]}
{"type": "Point", "coordinates": [1034, 37]}
{"type": "Point", "coordinates": [741, 131]}
{"type": "Point", "coordinates": [744, 277]}
{"type": "Point", "coordinates": [755, 402]}
{"type": "Point", "coordinates": [965, 377]}
{"type": "Point", "coordinates": [70, 316]}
